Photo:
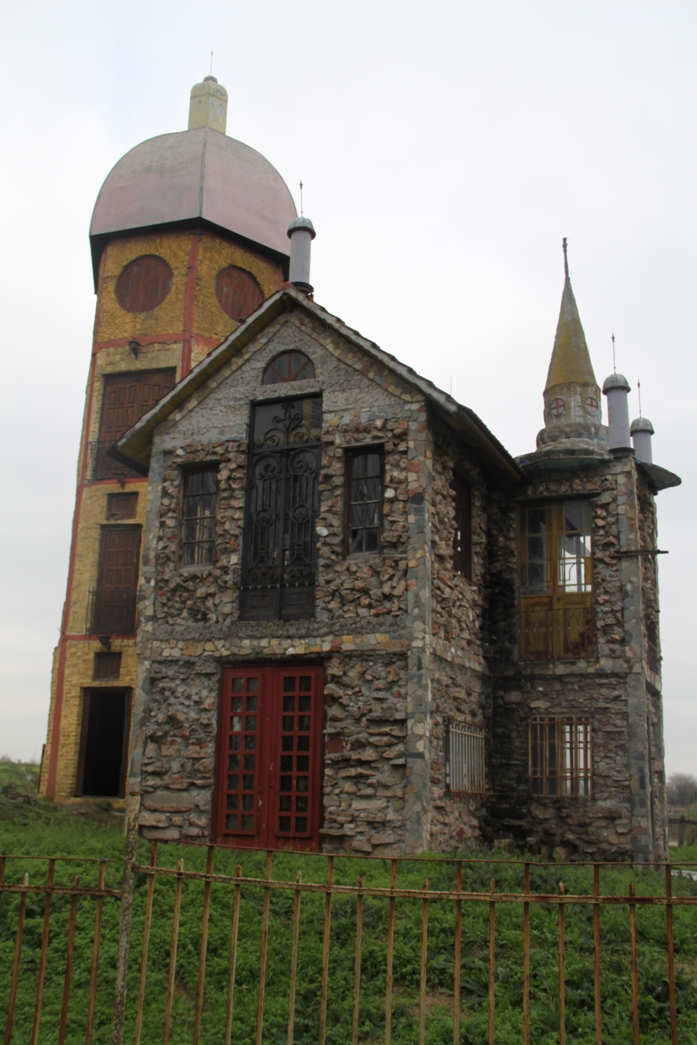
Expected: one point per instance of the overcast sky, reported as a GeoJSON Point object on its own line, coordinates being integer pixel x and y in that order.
{"type": "Point", "coordinates": [445, 148]}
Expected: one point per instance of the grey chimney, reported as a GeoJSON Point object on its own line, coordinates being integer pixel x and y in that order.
{"type": "Point", "coordinates": [617, 389]}
{"type": "Point", "coordinates": [641, 431]}
{"type": "Point", "coordinates": [301, 233]}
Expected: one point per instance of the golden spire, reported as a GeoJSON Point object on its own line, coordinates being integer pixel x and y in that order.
{"type": "Point", "coordinates": [571, 361]}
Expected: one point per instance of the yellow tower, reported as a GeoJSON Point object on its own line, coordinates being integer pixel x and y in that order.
{"type": "Point", "coordinates": [188, 237]}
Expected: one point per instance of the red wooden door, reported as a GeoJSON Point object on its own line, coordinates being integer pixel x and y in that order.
{"type": "Point", "coordinates": [269, 785]}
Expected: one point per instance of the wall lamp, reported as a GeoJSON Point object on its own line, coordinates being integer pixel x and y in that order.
{"type": "Point", "coordinates": [134, 346]}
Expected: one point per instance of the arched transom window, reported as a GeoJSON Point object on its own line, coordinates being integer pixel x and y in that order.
{"type": "Point", "coordinates": [288, 366]}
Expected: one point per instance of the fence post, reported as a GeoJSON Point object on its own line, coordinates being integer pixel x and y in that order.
{"type": "Point", "coordinates": [124, 940]}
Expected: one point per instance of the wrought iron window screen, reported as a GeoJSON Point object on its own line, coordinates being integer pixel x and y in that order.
{"type": "Point", "coordinates": [560, 756]}
{"type": "Point", "coordinates": [280, 546]}
{"type": "Point", "coordinates": [465, 766]}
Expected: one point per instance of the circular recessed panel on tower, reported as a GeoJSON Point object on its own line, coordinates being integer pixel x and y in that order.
{"type": "Point", "coordinates": [144, 284]}
{"type": "Point", "coordinates": [557, 407]}
{"type": "Point", "coordinates": [238, 292]}
{"type": "Point", "coordinates": [592, 405]}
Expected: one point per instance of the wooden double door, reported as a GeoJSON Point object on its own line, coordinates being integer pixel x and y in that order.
{"type": "Point", "coordinates": [269, 777]}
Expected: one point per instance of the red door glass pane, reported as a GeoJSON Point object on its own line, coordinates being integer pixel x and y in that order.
{"type": "Point", "coordinates": [269, 784]}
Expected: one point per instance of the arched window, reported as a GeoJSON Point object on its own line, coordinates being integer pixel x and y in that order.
{"type": "Point", "coordinates": [288, 366]}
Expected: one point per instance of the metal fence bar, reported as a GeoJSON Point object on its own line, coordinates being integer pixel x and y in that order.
{"type": "Point", "coordinates": [526, 957]}
{"type": "Point", "coordinates": [457, 960]}
{"type": "Point", "coordinates": [390, 953]}
{"type": "Point", "coordinates": [68, 964]}
{"type": "Point", "coordinates": [146, 946]}
{"type": "Point", "coordinates": [492, 961]}
{"type": "Point", "coordinates": [264, 951]}
{"type": "Point", "coordinates": [99, 904]}
{"type": "Point", "coordinates": [562, 976]}
{"type": "Point", "coordinates": [173, 953]}
{"type": "Point", "coordinates": [232, 967]}
{"type": "Point", "coordinates": [294, 961]}
{"type": "Point", "coordinates": [635, 982]}
{"type": "Point", "coordinates": [16, 963]}
{"type": "Point", "coordinates": [357, 964]}
{"type": "Point", "coordinates": [325, 952]}
{"type": "Point", "coordinates": [43, 955]}
{"type": "Point", "coordinates": [423, 969]}
{"type": "Point", "coordinates": [671, 958]}
{"type": "Point", "coordinates": [596, 958]}
{"type": "Point", "coordinates": [204, 945]}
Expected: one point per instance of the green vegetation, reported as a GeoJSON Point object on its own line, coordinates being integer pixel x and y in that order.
{"type": "Point", "coordinates": [42, 828]}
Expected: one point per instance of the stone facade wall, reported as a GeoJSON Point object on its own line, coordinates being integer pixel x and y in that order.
{"type": "Point", "coordinates": [602, 826]}
{"type": "Point", "coordinates": [368, 631]}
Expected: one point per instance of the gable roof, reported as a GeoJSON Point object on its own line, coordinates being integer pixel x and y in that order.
{"type": "Point", "coordinates": [133, 448]}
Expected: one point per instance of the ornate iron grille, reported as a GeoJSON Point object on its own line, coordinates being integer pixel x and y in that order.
{"type": "Point", "coordinates": [279, 561]}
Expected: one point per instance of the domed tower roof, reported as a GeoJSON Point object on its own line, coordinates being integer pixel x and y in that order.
{"type": "Point", "coordinates": [193, 176]}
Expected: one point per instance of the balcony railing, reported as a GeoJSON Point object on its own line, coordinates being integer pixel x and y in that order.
{"type": "Point", "coordinates": [556, 633]}
{"type": "Point", "coordinates": [111, 612]}
{"type": "Point", "coordinates": [101, 466]}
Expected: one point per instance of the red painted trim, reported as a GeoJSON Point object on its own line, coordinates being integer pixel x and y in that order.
{"type": "Point", "coordinates": [189, 294]}
{"type": "Point", "coordinates": [60, 677]}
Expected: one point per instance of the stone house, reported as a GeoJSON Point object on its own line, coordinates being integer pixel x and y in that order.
{"type": "Point", "coordinates": [312, 601]}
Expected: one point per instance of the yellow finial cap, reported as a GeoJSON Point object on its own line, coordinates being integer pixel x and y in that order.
{"type": "Point", "coordinates": [208, 105]}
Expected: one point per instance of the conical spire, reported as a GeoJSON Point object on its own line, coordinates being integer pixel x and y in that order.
{"type": "Point", "coordinates": [571, 359]}
{"type": "Point", "coordinates": [573, 420]}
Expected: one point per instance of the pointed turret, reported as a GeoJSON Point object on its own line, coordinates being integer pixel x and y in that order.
{"type": "Point", "coordinates": [572, 413]}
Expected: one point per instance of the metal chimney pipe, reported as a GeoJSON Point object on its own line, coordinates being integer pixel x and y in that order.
{"type": "Point", "coordinates": [641, 431]}
{"type": "Point", "coordinates": [617, 390]}
{"type": "Point", "coordinates": [301, 233]}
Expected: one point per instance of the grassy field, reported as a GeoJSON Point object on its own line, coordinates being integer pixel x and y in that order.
{"type": "Point", "coordinates": [31, 827]}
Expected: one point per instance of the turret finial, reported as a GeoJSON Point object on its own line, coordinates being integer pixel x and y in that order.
{"type": "Point", "coordinates": [564, 247]}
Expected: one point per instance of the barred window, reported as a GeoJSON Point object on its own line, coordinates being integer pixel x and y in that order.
{"type": "Point", "coordinates": [465, 763]}
{"type": "Point", "coordinates": [364, 500]}
{"type": "Point", "coordinates": [198, 525]}
{"type": "Point", "coordinates": [560, 756]}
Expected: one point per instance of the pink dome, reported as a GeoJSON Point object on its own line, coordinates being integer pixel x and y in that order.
{"type": "Point", "coordinates": [197, 174]}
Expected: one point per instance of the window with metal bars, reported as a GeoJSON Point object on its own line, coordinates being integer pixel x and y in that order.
{"type": "Point", "coordinates": [561, 756]}
{"type": "Point", "coordinates": [198, 522]}
{"type": "Point", "coordinates": [364, 485]}
{"type": "Point", "coordinates": [465, 763]}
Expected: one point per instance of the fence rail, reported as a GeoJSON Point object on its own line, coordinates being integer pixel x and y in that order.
{"type": "Point", "coordinates": [252, 951]}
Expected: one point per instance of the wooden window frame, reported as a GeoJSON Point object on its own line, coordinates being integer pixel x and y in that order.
{"type": "Point", "coordinates": [556, 613]}
{"type": "Point", "coordinates": [350, 455]}
{"type": "Point", "coordinates": [101, 657]}
{"type": "Point", "coordinates": [187, 474]}
{"type": "Point", "coordinates": [462, 533]}
{"type": "Point", "coordinates": [566, 741]}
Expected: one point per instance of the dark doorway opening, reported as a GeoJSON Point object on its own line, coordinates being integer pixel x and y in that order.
{"type": "Point", "coordinates": [104, 743]}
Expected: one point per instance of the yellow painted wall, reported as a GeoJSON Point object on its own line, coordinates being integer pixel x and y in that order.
{"type": "Point", "coordinates": [113, 323]}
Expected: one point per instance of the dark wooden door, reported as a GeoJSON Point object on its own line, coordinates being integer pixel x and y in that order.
{"type": "Point", "coordinates": [114, 609]}
{"type": "Point", "coordinates": [126, 398]}
{"type": "Point", "coordinates": [269, 784]}
{"type": "Point", "coordinates": [104, 742]}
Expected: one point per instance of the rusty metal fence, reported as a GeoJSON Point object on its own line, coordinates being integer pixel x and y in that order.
{"type": "Point", "coordinates": [207, 944]}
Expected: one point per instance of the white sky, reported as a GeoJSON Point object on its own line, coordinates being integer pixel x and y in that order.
{"type": "Point", "coordinates": [446, 147]}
